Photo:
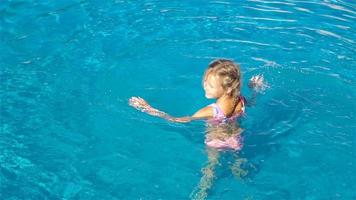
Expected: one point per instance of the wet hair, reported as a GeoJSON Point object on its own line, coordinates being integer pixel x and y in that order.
{"type": "Point", "coordinates": [228, 74]}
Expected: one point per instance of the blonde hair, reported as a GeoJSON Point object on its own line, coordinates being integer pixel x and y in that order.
{"type": "Point", "coordinates": [228, 74]}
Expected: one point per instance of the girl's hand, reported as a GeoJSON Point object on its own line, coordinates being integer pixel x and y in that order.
{"type": "Point", "coordinates": [257, 83]}
{"type": "Point", "coordinates": [142, 105]}
{"type": "Point", "coordinates": [139, 104]}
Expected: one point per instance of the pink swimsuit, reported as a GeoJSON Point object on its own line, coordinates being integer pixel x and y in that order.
{"type": "Point", "coordinates": [232, 142]}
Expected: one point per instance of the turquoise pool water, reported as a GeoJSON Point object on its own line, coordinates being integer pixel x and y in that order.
{"type": "Point", "coordinates": [68, 69]}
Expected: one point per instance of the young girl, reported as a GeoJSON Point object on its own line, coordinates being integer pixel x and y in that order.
{"type": "Point", "coordinates": [221, 81]}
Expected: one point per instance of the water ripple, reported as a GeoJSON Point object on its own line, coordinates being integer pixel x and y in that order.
{"type": "Point", "coordinates": [268, 63]}
{"type": "Point", "coordinates": [273, 2]}
{"type": "Point", "coordinates": [303, 10]}
{"type": "Point", "coordinates": [267, 10]}
{"type": "Point", "coordinates": [334, 17]}
{"type": "Point", "coordinates": [267, 19]}
{"type": "Point", "coordinates": [237, 41]}
{"type": "Point", "coordinates": [328, 33]}
{"type": "Point", "coordinates": [340, 8]}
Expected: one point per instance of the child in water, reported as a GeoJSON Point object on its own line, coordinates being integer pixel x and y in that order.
{"type": "Point", "coordinates": [221, 81]}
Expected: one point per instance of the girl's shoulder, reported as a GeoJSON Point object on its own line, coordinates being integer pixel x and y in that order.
{"type": "Point", "coordinates": [204, 113]}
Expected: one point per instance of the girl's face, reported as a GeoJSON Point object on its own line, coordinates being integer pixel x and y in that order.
{"type": "Point", "coordinates": [212, 87]}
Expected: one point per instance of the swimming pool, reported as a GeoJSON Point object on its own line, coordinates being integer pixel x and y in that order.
{"type": "Point", "coordinates": [68, 69]}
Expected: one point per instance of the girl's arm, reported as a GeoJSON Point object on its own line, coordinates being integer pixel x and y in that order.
{"type": "Point", "coordinates": [143, 106]}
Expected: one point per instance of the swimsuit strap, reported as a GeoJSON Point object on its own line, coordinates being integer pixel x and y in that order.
{"type": "Point", "coordinates": [218, 113]}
